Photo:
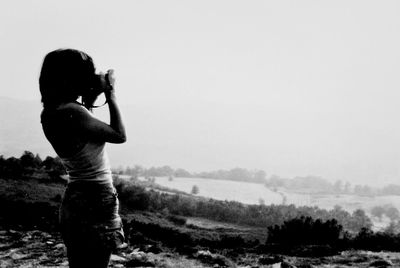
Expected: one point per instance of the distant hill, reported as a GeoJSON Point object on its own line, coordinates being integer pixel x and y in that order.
{"type": "Point", "coordinates": [160, 132]}
{"type": "Point", "coordinates": [153, 138]}
{"type": "Point", "coordinates": [196, 136]}
{"type": "Point", "coordinates": [20, 128]}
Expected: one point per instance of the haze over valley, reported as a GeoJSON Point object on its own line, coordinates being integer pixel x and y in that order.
{"type": "Point", "coordinates": [202, 138]}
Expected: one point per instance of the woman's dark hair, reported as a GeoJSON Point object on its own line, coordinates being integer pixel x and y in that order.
{"type": "Point", "coordinates": [66, 74]}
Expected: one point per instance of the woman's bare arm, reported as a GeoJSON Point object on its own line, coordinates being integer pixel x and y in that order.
{"type": "Point", "coordinates": [93, 128]}
{"type": "Point", "coordinates": [90, 128]}
{"type": "Point", "coordinates": [116, 122]}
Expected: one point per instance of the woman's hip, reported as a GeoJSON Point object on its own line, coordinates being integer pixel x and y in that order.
{"type": "Point", "coordinates": [90, 213]}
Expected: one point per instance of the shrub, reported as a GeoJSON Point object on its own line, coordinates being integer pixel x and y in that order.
{"type": "Point", "coordinates": [195, 189]}
{"type": "Point", "coordinates": [376, 241]}
{"type": "Point", "coordinates": [305, 231]}
{"type": "Point", "coordinates": [178, 220]}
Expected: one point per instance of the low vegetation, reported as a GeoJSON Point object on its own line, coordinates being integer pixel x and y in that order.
{"type": "Point", "coordinates": [31, 166]}
{"type": "Point", "coordinates": [135, 197]}
{"type": "Point", "coordinates": [306, 231]}
{"type": "Point", "coordinates": [31, 190]}
{"type": "Point", "coordinates": [235, 174]}
{"type": "Point", "coordinates": [315, 184]}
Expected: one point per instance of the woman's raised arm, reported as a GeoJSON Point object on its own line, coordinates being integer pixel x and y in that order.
{"type": "Point", "coordinates": [93, 128]}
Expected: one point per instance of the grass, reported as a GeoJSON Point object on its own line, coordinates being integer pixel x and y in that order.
{"type": "Point", "coordinates": [30, 203]}
{"type": "Point", "coordinates": [33, 203]}
{"type": "Point", "coordinates": [31, 190]}
{"type": "Point", "coordinates": [177, 261]}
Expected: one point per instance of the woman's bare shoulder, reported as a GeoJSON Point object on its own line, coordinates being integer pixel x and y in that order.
{"type": "Point", "coordinates": [72, 106]}
{"type": "Point", "coordinates": [68, 112]}
{"type": "Point", "coordinates": [74, 110]}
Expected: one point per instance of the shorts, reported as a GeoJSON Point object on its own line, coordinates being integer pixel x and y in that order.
{"type": "Point", "coordinates": [89, 216]}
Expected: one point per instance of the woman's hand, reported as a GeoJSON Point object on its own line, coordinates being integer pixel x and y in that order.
{"type": "Point", "coordinates": [110, 78]}
{"type": "Point", "coordinates": [109, 81]}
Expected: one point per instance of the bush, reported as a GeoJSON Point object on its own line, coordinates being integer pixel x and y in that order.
{"type": "Point", "coordinates": [305, 231]}
{"type": "Point", "coordinates": [178, 220]}
{"type": "Point", "coordinates": [132, 196]}
{"type": "Point", "coordinates": [41, 215]}
{"type": "Point", "coordinates": [377, 241]}
{"type": "Point", "coordinates": [30, 165]}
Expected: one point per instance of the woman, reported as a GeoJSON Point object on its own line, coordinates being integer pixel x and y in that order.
{"type": "Point", "coordinates": [90, 225]}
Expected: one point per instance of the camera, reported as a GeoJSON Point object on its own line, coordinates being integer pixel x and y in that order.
{"type": "Point", "coordinates": [100, 83]}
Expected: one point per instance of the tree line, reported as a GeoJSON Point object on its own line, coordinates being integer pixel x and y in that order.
{"type": "Point", "coordinates": [31, 165]}
{"type": "Point", "coordinates": [321, 185]}
{"type": "Point", "coordinates": [234, 174]}
{"type": "Point", "coordinates": [135, 197]}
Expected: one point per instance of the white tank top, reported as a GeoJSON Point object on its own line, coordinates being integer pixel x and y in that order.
{"type": "Point", "coordinates": [90, 163]}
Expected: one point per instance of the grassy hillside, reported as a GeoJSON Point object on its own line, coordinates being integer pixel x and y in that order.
{"type": "Point", "coordinates": [168, 230]}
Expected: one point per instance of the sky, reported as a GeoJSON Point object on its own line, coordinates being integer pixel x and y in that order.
{"type": "Point", "coordinates": [295, 88]}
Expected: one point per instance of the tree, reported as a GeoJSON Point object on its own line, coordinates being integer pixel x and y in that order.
{"type": "Point", "coordinates": [30, 161]}
{"type": "Point", "coordinates": [360, 220]}
{"type": "Point", "coordinates": [363, 190]}
{"type": "Point", "coordinates": [54, 166]}
{"type": "Point", "coordinates": [393, 228]}
{"type": "Point", "coordinates": [311, 182]}
{"type": "Point", "coordinates": [378, 211]}
{"type": "Point", "coordinates": [260, 176]}
{"type": "Point", "coordinates": [239, 174]}
{"type": "Point", "coordinates": [275, 181]}
{"type": "Point", "coordinates": [392, 213]}
{"type": "Point", "coordinates": [347, 187]}
{"type": "Point", "coordinates": [337, 186]}
{"type": "Point", "coordinates": [166, 171]}
{"type": "Point", "coordinates": [181, 173]}
{"type": "Point", "coordinates": [391, 189]}
{"type": "Point", "coordinates": [195, 189]}
{"type": "Point", "coordinates": [11, 167]}
{"type": "Point", "coordinates": [134, 172]}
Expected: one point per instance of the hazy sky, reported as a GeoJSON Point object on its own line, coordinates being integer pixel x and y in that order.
{"type": "Point", "coordinates": [291, 87]}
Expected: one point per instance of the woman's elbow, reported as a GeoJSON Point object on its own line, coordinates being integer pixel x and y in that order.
{"type": "Point", "coordinates": [123, 139]}
{"type": "Point", "coordinates": [120, 138]}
